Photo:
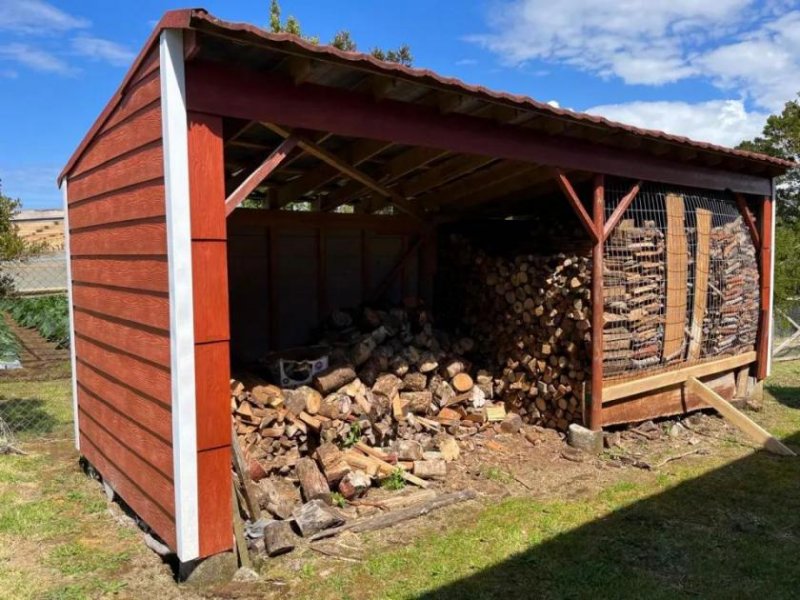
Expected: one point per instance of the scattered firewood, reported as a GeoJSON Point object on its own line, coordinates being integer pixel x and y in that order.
{"type": "Point", "coordinates": [392, 518]}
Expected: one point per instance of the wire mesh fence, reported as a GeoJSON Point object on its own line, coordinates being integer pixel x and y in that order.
{"type": "Point", "coordinates": [786, 330]}
{"type": "Point", "coordinates": [35, 402]}
{"type": "Point", "coordinates": [680, 279]}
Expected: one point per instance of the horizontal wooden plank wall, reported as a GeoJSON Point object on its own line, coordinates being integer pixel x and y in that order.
{"type": "Point", "coordinates": [288, 270]}
{"type": "Point", "coordinates": [118, 250]}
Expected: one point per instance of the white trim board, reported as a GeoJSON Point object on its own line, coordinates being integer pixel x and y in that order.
{"type": "Point", "coordinates": [771, 281]}
{"type": "Point", "coordinates": [181, 311]}
{"type": "Point", "coordinates": [71, 312]}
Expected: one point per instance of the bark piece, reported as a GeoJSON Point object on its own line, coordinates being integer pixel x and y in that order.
{"type": "Point", "coordinates": [315, 516]}
{"type": "Point", "coordinates": [417, 402]}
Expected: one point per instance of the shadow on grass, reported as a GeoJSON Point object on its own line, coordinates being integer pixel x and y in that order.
{"type": "Point", "coordinates": [788, 396]}
{"type": "Point", "coordinates": [27, 416]}
{"type": "Point", "coordinates": [731, 533]}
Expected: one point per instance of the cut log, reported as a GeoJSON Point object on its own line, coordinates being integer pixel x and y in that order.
{"type": "Point", "coordinates": [334, 378]}
{"type": "Point", "coordinates": [332, 461]}
{"type": "Point", "coordinates": [279, 538]}
{"type": "Point", "coordinates": [354, 484]}
{"type": "Point", "coordinates": [312, 481]}
{"type": "Point", "coordinates": [430, 469]}
{"type": "Point", "coordinates": [462, 383]}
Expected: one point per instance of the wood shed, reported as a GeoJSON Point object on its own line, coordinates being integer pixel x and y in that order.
{"type": "Point", "coordinates": [357, 173]}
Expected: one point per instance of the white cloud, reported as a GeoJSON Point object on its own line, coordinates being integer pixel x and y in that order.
{"type": "Point", "coordinates": [640, 41]}
{"type": "Point", "coordinates": [466, 62]}
{"type": "Point", "coordinates": [744, 45]}
{"type": "Point", "coordinates": [36, 17]}
{"type": "Point", "coordinates": [99, 49]}
{"type": "Point", "coordinates": [724, 122]}
{"type": "Point", "coordinates": [35, 58]}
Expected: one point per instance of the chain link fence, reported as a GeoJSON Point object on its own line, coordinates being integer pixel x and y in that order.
{"type": "Point", "coordinates": [35, 392]}
{"type": "Point", "coordinates": [786, 331]}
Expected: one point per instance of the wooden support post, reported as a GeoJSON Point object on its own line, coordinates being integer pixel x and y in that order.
{"type": "Point", "coordinates": [765, 267]}
{"type": "Point", "coordinates": [598, 212]}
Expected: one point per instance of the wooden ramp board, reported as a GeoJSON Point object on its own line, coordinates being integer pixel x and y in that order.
{"type": "Point", "coordinates": [702, 257]}
{"type": "Point", "coordinates": [677, 276]}
{"type": "Point", "coordinates": [739, 419]}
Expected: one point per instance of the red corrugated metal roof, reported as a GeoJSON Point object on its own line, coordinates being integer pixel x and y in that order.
{"type": "Point", "coordinates": [201, 19]}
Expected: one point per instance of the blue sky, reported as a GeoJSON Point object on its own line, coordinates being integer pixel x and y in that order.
{"type": "Point", "coordinates": [708, 69]}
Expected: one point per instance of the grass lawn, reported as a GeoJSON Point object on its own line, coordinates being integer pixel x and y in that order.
{"type": "Point", "coordinates": [726, 525]}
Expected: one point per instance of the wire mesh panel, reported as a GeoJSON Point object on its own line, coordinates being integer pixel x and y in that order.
{"type": "Point", "coordinates": [680, 280]}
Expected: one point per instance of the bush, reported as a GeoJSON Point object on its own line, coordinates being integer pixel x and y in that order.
{"type": "Point", "coordinates": [9, 346]}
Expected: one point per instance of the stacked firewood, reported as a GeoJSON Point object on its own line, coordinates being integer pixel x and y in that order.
{"type": "Point", "coordinates": [633, 293]}
{"type": "Point", "coordinates": [396, 400]}
{"type": "Point", "coordinates": [731, 320]}
{"type": "Point", "coordinates": [530, 315]}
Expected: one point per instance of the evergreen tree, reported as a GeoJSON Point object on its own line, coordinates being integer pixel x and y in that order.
{"type": "Point", "coordinates": [343, 40]}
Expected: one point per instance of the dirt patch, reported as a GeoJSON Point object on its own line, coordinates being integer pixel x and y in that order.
{"type": "Point", "coordinates": [41, 360]}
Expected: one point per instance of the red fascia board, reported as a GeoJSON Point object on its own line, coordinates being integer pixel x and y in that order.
{"type": "Point", "coordinates": [265, 97]}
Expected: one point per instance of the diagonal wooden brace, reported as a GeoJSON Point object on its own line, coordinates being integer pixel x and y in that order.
{"type": "Point", "coordinates": [348, 170]}
{"type": "Point", "coordinates": [259, 175]}
{"type": "Point", "coordinates": [623, 205]}
{"type": "Point", "coordinates": [577, 205]}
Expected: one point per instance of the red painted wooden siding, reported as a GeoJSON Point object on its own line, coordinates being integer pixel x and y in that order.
{"type": "Point", "coordinates": [211, 332]}
{"type": "Point", "coordinates": [118, 249]}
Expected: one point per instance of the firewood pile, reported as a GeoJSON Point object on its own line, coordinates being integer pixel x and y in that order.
{"type": "Point", "coordinates": [393, 404]}
{"type": "Point", "coordinates": [633, 294]}
{"type": "Point", "coordinates": [531, 318]}
{"type": "Point", "coordinates": [731, 321]}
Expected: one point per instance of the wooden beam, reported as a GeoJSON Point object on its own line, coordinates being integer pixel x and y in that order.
{"type": "Point", "coordinates": [257, 177]}
{"type": "Point", "coordinates": [443, 174]}
{"type": "Point", "coordinates": [395, 169]}
{"type": "Point", "coordinates": [765, 270]}
{"type": "Point", "coordinates": [738, 419]}
{"type": "Point", "coordinates": [598, 214]}
{"type": "Point", "coordinates": [357, 153]}
{"type": "Point", "coordinates": [577, 205]}
{"type": "Point", "coordinates": [349, 171]}
{"type": "Point", "coordinates": [222, 90]}
{"type": "Point", "coordinates": [623, 205]}
{"type": "Point", "coordinates": [641, 385]}
{"type": "Point", "coordinates": [748, 218]}
{"type": "Point", "coordinates": [524, 179]}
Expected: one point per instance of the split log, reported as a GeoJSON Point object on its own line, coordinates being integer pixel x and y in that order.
{"type": "Point", "coordinates": [312, 481]}
{"type": "Point", "coordinates": [334, 378]}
